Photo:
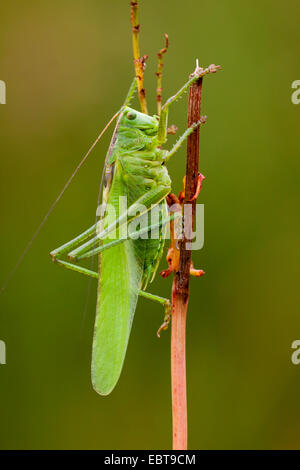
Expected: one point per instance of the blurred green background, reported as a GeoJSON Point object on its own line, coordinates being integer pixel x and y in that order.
{"type": "Point", "coordinates": [67, 66]}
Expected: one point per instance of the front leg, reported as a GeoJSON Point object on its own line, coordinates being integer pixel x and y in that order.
{"type": "Point", "coordinates": [183, 138]}
{"type": "Point", "coordinates": [163, 119]}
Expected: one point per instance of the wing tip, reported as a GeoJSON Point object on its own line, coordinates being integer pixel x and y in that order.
{"type": "Point", "coordinates": [103, 389]}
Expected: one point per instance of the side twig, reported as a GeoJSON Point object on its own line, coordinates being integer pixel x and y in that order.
{"type": "Point", "coordinates": [158, 73]}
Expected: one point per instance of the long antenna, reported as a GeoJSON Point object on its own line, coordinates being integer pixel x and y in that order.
{"type": "Point", "coordinates": [53, 205]}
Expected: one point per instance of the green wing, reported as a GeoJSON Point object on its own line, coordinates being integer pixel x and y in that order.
{"type": "Point", "coordinates": [119, 284]}
{"type": "Point", "coordinates": [121, 270]}
{"type": "Point", "coordinates": [124, 268]}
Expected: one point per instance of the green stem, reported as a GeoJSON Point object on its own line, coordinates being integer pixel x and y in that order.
{"type": "Point", "coordinates": [138, 60]}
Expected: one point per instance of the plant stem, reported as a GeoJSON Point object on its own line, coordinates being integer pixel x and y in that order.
{"type": "Point", "coordinates": [139, 62]}
{"type": "Point", "coordinates": [180, 289]}
{"type": "Point", "coordinates": [178, 371]}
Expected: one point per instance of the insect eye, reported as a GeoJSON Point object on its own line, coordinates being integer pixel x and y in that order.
{"type": "Point", "coordinates": [131, 116]}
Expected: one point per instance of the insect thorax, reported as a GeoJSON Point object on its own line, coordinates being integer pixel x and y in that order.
{"type": "Point", "coordinates": [136, 151]}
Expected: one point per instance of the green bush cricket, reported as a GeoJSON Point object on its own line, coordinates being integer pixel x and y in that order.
{"type": "Point", "coordinates": [135, 168]}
